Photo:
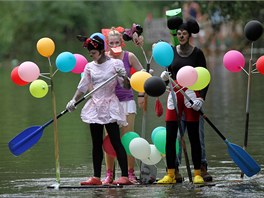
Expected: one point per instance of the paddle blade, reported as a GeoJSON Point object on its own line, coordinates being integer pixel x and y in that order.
{"type": "Point", "coordinates": [25, 140]}
{"type": "Point", "coordinates": [242, 159]}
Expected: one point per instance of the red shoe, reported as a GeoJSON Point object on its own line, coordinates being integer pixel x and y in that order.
{"type": "Point", "coordinates": [92, 181]}
{"type": "Point", "coordinates": [122, 181]}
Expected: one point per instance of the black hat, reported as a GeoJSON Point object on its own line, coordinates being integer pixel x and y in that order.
{"type": "Point", "coordinates": [92, 43]}
{"type": "Point", "coordinates": [176, 23]}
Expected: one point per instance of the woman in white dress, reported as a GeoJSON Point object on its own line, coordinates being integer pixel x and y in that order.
{"type": "Point", "coordinates": [103, 109]}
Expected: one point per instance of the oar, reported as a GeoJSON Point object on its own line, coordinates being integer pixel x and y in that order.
{"type": "Point", "coordinates": [152, 169]}
{"type": "Point", "coordinates": [247, 103]}
{"type": "Point", "coordinates": [241, 158]}
{"type": "Point", "coordinates": [30, 136]}
{"type": "Point", "coordinates": [187, 162]}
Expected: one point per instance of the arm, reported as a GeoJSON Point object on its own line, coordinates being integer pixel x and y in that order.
{"type": "Point", "coordinates": [134, 62]}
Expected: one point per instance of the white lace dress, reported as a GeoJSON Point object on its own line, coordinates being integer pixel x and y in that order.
{"type": "Point", "coordinates": [104, 106]}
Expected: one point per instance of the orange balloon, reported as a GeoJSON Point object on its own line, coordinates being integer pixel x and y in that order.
{"type": "Point", "coordinates": [138, 80]}
{"type": "Point", "coordinates": [46, 47]}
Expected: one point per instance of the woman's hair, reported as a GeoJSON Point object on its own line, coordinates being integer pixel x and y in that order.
{"type": "Point", "coordinates": [114, 31]}
{"type": "Point", "coordinates": [176, 23]}
{"type": "Point", "coordinates": [92, 43]}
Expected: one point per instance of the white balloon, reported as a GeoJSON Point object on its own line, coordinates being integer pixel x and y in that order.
{"type": "Point", "coordinates": [154, 157]}
{"type": "Point", "coordinates": [139, 148]}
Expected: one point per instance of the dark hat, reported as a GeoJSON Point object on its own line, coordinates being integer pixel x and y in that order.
{"type": "Point", "coordinates": [176, 23]}
{"type": "Point", "coordinates": [92, 43]}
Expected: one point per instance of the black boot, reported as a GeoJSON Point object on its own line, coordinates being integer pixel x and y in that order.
{"type": "Point", "coordinates": [206, 176]}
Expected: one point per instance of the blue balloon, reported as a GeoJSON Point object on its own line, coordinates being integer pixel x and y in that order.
{"type": "Point", "coordinates": [157, 129]}
{"type": "Point", "coordinates": [65, 62]}
{"type": "Point", "coordinates": [98, 34]}
{"type": "Point", "coordinates": [163, 54]}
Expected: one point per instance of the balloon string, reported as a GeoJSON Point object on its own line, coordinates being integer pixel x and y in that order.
{"type": "Point", "coordinates": [244, 70]}
{"type": "Point", "coordinates": [44, 76]}
{"type": "Point", "coordinates": [55, 72]}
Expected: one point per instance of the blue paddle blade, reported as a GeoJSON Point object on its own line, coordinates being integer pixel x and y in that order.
{"type": "Point", "coordinates": [25, 140]}
{"type": "Point", "coordinates": [242, 159]}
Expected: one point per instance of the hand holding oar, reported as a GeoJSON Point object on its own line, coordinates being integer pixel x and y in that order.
{"type": "Point", "coordinates": [30, 136]}
{"type": "Point", "coordinates": [241, 158]}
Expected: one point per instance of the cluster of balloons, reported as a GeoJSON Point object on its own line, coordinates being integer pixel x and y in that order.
{"type": "Point", "coordinates": [193, 78]}
{"type": "Point", "coordinates": [29, 72]}
{"type": "Point", "coordinates": [139, 148]}
{"type": "Point", "coordinates": [135, 146]}
{"type": "Point", "coordinates": [234, 61]}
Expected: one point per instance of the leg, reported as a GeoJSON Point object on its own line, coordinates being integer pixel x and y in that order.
{"type": "Point", "coordinates": [206, 176]}
{"type": "Point", "coordinates": [193, 134]}
{"type": "Point", "coordinates": [114, 135]}
{"type": "Point", "coordinates": [171, 135]}
{"type": "Point", "coordinates": [97, 153]}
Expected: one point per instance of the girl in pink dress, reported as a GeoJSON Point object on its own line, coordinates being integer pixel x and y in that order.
{"type": "Point", "coordinates": [104, 108]}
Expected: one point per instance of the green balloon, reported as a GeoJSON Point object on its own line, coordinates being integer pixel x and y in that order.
{"type": "Point", "coordinates": [38, 88]}
{"type": "Point", "coordinates": [126, 139]}
{"type": "Point", "coordinates": [160, 142]}
{"type": "Point", "coordinates": [203, 79]}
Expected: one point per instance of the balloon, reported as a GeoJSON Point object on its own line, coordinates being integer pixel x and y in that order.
{"type": "Point", "coordinates": [160, 141]}
{"type": "Point", "coordinates": [155, 131]}
{"type": "Point", "coordinates": [139, 148]}
{"type": "Point", "coordinates": [28, 71]}
{"type": "Point", "coordinates": [163, 54]}
{"type": "Point", "coordinates": [260, 64]}
{"type": "Point", "coordinates": [81, 62]}
{"type": "Point", "coordinates": [154, 156]}
{"type": "Point", "coordinates": [107, 146]}
{"type": "Point", "coordinates": [38, 88]}
{"type": "Point", "coordinates": [16, 79]}
{"type": "Point", "coordinates": [253, 30]}
{"type": "Point", "coordinates": [138, 80]}
{"type": "Point", "coordinates": [234, 61]}
{"type": "Point", "coordinates": [126, 139]}
{"type": "Point", "coordinates": [45, 47]}
{"type": "Point", "coordinates": [65, 61]}
{"type": "Point", "coordinates": [203, 79]}
{"type": "Point", "coordinates": [187, 76]}
{"type": "Point", "coordinates": [154, 86]}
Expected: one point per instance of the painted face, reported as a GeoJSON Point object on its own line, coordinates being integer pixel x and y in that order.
{"type": "Point", "coordinates": [95, 55]}
{"type": "Point", "coordinates": [114, 42]}
{"type": "Point", "coordinates": [183, 36]}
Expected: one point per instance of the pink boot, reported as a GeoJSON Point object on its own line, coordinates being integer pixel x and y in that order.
{"type": "Point", "coordinates": [109, 177]}
{"type": "Point", "coordinates": [131, 176]}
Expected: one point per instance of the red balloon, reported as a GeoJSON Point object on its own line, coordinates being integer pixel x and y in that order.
{"type": "Point", "coordinates": [260, 64]}
{"type": "Point", "coordinates": [16, 79]}
{"type": "Point", "coordinates": [107, 146]}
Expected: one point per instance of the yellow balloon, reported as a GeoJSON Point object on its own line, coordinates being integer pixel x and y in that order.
{"type": "Point", "coordinates": [38, 88]}
{"type": "Point", "coordinates": [203, 79]}
{"type": "Point", "coordinates": [46, 47]}
{"type": "Point", "coordinates": [138, 79]}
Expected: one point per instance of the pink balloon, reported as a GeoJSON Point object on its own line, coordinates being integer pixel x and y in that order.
{"type": "Point", "coordinates": [28, 71]}
{"type": "Point", "coordinates": [81, 61]}
{"type": "Point", "coordinates": [187, 76]}
{"type": "Point", "coordinates": [234, 61]}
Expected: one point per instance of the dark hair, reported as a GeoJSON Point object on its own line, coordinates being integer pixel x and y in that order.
{"type": "Point", "coordinates": [92, 43]}
{"type": "Point", "coordinates": [176, 23]}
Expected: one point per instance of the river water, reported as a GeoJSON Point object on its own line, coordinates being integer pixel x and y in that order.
{"type": "Point", "coordinates": [29, 174]}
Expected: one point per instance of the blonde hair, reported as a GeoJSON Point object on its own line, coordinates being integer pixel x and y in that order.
{"type": "Point", "coordinates": [114, 32]}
